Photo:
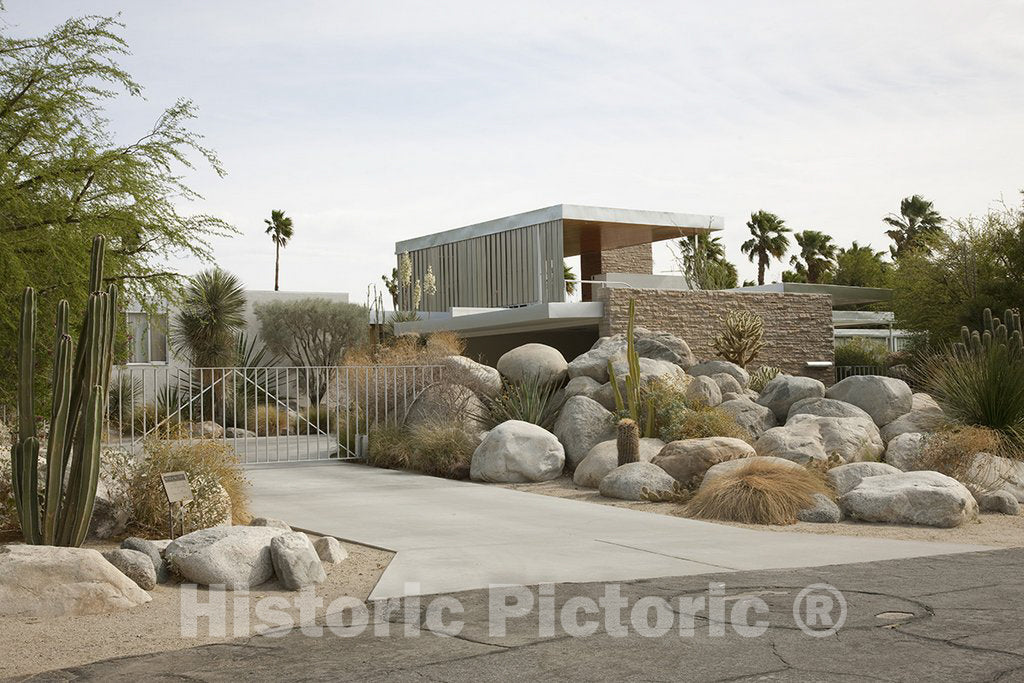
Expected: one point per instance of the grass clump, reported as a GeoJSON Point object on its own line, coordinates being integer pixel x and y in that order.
{"type": "Point", "coordinates": [435, 449]}
{"type": "Point", "coordinates": [270, 420]}
{"type": "Point", "coordinates": [676, 419]}
{"type": "Point", "coordinates": [532, 401]}
{"type": "Point", "coordinates": [388, 447]}
{"type": "Point", "coordinates": [952, 452]}
{"type": "Point", "coordinates": [757, 493]}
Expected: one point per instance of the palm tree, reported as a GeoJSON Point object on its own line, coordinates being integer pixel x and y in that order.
{"type": "Point", "coordinates": [279, 227]}
{"type": "Point", "coordinates": [212, 314]}
{"type": "Point", "coordinates": [860, 266]}
{"type": "Point", "coordinates": [570, 279]}
{"type": "Point", "coordinates": [818, 255]}
{"type": "Point", "coordinates": [917, 219]}
{"type": "Point", "coordinates": [768, 240]}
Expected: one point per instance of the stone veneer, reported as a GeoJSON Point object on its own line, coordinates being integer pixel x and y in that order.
{"type": "Point", "coordinates": [797, 327]}
{"type": "Point", "coordinates": [635, 259]}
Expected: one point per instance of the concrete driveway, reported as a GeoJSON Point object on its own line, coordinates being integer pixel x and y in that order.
{"type": "Point", "coordinates": [453, 536]}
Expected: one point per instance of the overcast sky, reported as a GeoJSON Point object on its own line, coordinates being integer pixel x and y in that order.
{"type": "Point", "coordinates": [370, 122]}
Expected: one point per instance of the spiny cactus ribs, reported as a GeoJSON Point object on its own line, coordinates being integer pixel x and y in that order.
{"type": "Point", "coordinates": [628, 441]}
{"type": "Point", "coordinates": [60, 515]}
{"type": "Point", "coordinates": [1005, 333]}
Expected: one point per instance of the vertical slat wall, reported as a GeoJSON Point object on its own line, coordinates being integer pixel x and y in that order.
{"type": "Point", "coordinates": [494, 271]}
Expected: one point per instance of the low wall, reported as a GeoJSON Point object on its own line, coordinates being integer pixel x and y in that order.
{"type": "Point", "coordinates": [797, 327]}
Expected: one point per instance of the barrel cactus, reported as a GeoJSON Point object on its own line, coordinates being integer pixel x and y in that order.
{"type": "Point", "coordinates": [58, 511]}
{"type": "Point", "coordinates": [628, 441]}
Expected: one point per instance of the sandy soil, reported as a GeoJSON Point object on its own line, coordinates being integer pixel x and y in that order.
{"type": "Point", "coordinates": [992, 529]}
{"type": "Point", "coordinates": [29, 646]}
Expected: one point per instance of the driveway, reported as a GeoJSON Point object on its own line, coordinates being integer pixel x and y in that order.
{"type": "Point", "coordinates": [453, 536]}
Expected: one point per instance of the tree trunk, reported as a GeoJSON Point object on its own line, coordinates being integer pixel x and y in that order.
{"type": "Point", "coordinates": [277, 263]}
{"type": "Point", "coordinates": [762, 263]}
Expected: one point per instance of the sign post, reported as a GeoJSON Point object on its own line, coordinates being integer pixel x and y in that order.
{"type": "Point", "coordinates": [179, 494]}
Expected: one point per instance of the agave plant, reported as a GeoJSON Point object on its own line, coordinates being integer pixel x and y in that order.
{"type": "Point", "coordinates": [61, 513]}
{"type": "Point", "coordinates": [533, 401]}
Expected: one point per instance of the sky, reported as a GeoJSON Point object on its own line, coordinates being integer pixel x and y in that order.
{"type": "Point", "coordinates": [372, 122]}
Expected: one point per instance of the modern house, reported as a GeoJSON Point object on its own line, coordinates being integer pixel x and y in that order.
{"type": "Point", "coordinates": [500, 284]}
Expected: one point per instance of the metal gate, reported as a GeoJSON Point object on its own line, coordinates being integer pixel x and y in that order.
{"type": "Point", "coordinates": [268, 415]}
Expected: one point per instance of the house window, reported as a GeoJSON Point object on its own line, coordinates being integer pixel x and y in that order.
{"type": "Point", "coordinates": [147, 337]}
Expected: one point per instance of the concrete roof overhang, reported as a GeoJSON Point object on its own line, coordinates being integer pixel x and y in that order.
{"type": "Point", "coordinates": [532, 318]}
{"type": "Point", "coordinates": [842, 295]}
{"type": "Point", "coordinates": [585, 228]}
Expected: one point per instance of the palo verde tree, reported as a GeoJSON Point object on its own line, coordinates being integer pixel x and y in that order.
{"type": "Point", "coordinates": [65, 177]}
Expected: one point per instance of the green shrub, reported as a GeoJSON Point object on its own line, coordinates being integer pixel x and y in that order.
{"type": "Point", "coordinates": [982, 389]}
{"type": "Point", "coordinates": [860, 351]}
{"type": "Point", "coordinates": [441, 450]}
{"type": "Point", "coordinates": [532, 401]}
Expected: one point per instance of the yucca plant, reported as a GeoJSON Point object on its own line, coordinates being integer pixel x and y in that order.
{"type": "Point", "coordinates": [633, 404]}
{"type": "Point", "coordinates": [61, 512]}
{"type": "Point", "coordinates": [531, 401]}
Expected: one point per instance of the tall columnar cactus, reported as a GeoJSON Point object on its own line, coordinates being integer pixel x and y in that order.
{"type": "Point", "coordinates": [59, 512]}
{"type": "Point", "coordinates": [634, 404]}
{"type": "Point", "coordinates": [1006, 333]}
{"type": "Point", "coordinates": [628, 441]}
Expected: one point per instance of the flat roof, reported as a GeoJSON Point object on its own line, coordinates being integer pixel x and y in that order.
{"type": "Point", "coordinates": [842, 295]}
{"type": "Point", "coordinates": [548, 316]}
{"type": "Point", "coordinates": [617, 227]}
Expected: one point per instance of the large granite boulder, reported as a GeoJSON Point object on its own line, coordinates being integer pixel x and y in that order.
{"type": "Point", "coordinates": [785, 390]}
{"type": "Point", "coordinates": [713, 367]}
{"type": "Point", "coordinates": [905, 450]}
{"type": "Point", "coordinates": [663, 346]}
{"type": "Point", "coordinates": [516, 452]}
{"type": "Point", "coordinates": [925, 417]}
{"type": "Point", "coordinates": [153, 552]}
{"type": "Point", "coordinates": [446, 403]}
{"type": "Point", "coordinates": [810, 437]}
{"type": "Point", "coordinates": [703, 389]}
{"type": "Point", "coordinates": [136, 565]}
{"type": "Point", "coordinates": [927, 498]}
{"type": "Point", "coordinates": [582, 424]}
{"type": "Point", "coordinates": [296, 562]}
{"type": "Point", "coordinates": [533, 362]}
{"type": "Point", "coordinates": [846, 477]}
{"type": "Point", "coordinates": [41, 581]}
{"type": "Point", "coordinates": [652, 345]}
{"type": "Point", "coordinates": [604, 457]}
{"type": "Point", "coordinates": [823, 511]}
{"type": "Point", "coordinates": [989, 473]}
{"type": "Point", "coordinates": [594, 363]}
{"type": "Point", "coordinates": [627, 482]}
{"type": "Point", "coordinates": [727, 383]}
{"type": "Point", "coordinates": [232, 557]}
{"type": "Point", "coordinates": [482, 379]}
{"type": "Point", "coordinates": [753, 417]}
{"type": "Point", "coordinates": [688, 460]}
{"type": "Point", "coordinates": [825, 407]}
{"type": "Point", "coordinates": [730, 466]}
{"type": "Point", "coordinates": [883, 398]}
{"type": "Point", "coordinates": [650, 369]}
{"type": "Point", "coordinates": [582, 386]}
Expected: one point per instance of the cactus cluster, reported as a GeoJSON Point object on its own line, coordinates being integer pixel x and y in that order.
{"type": "Point", "coordinates": [59, 512]}
{"type": "Point", "coordinates": [679, 494]}
{"type": "Point", "coordinates": [628, 441]}
{"type": "Point", "coordinates": [742, 339]}
{"type": "Point", "coordinates": [1005, 333]}
{"type": "Point", "coordinates": [633, 404]}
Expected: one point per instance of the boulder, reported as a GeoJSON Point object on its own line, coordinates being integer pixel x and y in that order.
{"type": "Point", "coordinates": [824, 511]}
{"type": "Point", "coordinates": [713, 367]}
{"type": "Point", "coordinates": [270, 522]}
{"type": "Point", "coordinates": [152, 551]}
{"type": "Point", "coordinates": [810, 437]}
{"type": "Point", "coordinates": [582, 424]}
{"type": "Point", "coordinates": [137, 566]}
{"type": "Point", "coordinates": [239, 433]}
{"type": "Point", "coordinates": [904, 451]}
{"type": "Point", "coordinates": [652, 345]}
{"type": "Point", "coordinates": [883, 398]}
{"type": "Point", "coordinates": [1002, 502]}
{"type": "Point", "coordinates": [650, 369]}
{"type": "Point", "coordinates": [688, 460]}
{"type": "Point", "coordinates": [927, 498]}
{"type": "Point", "coordinates": [41, 581]}
{"type": "Point", "coordinates": [703, 389]}
{"type": "Point", "coordinates": [206, 430]}
{"type": "Point", "coordinates": [785, 390]}
{"type": "Point", "coordinates": [924, 417]}
{"type": "Point", "coordinates": [232, 557]}
{"type": "Point", "coordinates": [989, 473]}
{"type": "Point", "coordinates": [825, 407]}
{"type": "Point", "coordinates": [846, 477]}
{"type": "Point", "coordinates": [753, 417]}
{"type": "Point", "coordinates": [296, 562]}
{"type": "Point", "coordinates": [604, 457]}
{"type": "Point", "coordinates": [582, 386]}
{"type": "Point", "coordinates": [663, 346]}
{"type": "Point", "coordinates": [108, 518]}
{"type": "Point", "coordinates": [517, 451]}
{"type": "Point", "coordinates": [729, 466]}
{"type": "Point", "coordinates": [444, 402]}
{"type": "Point", "coordinates": [733, 395]}
{"type": "Point", "coordinates": [628, 481]}
{"type": "Point", "coordinates": [533, 362]}
{"type": "Point", "coordinates": [482, 379]}
{"type": "Point", "coordinates": [727, 383]}
{"type": "Point", "coordinates": [594, 363]}
{"type": "Point", "coordinates": [330, 550]}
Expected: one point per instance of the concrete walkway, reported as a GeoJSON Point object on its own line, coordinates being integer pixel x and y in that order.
{"type": "Point", "coordinates": [454, 536]}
